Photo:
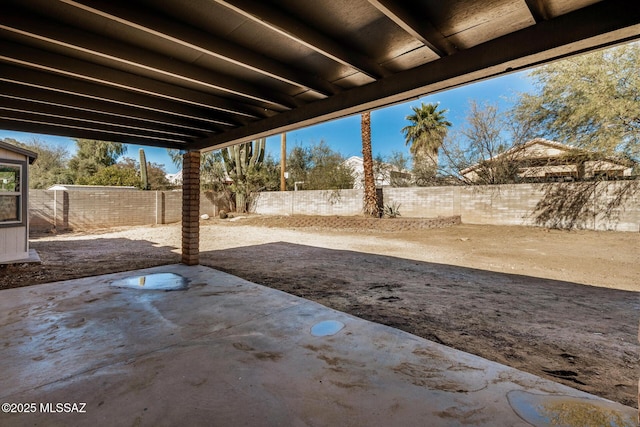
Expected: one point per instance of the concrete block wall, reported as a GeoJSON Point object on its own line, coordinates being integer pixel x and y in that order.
{"type": "Point", "coordinates": [211, 203]}
{"type": "Point", "coordinates": [41, 209]}
{"type": "Point", "coordinates": [310, 202]}
{"type": "Point", "coordinates": [612, 206]}
{"type": "Point", "coordinates": [499, 204]}
{"type": "Point", "coordinates": [275, 203]}
{"type": "Point", "coordinates": [617, 203]}
{"type": "Point", "coordinates": [77, 210]}
{"type": "Point", "coordinates": [172, 207]}
{"type": "Point", "coordinates": [421, 202]}
{"type": "Point", "coordinates": [620, 208]}
{"type": "Point", "coordinates": [104, 209]}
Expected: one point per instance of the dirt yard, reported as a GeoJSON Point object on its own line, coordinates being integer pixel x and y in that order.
{"type": "Point", "coordinates": [561, 305]}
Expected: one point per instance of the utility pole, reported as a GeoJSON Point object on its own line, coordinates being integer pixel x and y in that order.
{"type": "Point", "coordinates": [283, 161]}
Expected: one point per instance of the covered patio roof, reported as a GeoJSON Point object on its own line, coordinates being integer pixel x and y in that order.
{"type": "Point", "coordinates": [210, 73]}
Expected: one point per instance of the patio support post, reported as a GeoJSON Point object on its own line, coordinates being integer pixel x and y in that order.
{"type": "Point", "coordinates": [191, 208]}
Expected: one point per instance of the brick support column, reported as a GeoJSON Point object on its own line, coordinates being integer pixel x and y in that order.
{"type": "Point", "coordinates": [191, 208]}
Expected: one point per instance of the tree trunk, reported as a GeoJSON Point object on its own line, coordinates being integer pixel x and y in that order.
{"type": "Point", "coordinates": [370, 196]}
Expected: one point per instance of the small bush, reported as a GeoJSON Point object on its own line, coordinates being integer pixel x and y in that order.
{"type": "Point", "coordinates": [392, 210]}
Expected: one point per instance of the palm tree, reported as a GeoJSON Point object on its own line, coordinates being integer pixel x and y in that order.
{"type": "Point", "coordinates": [426, 132]}
{"type": "Point", "coordinates": [370, 196]}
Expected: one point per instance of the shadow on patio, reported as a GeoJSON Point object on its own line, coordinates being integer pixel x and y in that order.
{"type": "Point", "coordinates": [225, 351]}
{"type": "Point", "coordinates": [582, 336]}
{"type": "Point", "coordinates": [74, 258]}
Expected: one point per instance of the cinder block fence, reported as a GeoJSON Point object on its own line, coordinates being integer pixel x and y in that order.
{"type": "Point", "coordinates": [76, 210]}
{"type": "Point", "coordinates": [604, 206]}
{"type": "Point", "coordinates": [613, 205]}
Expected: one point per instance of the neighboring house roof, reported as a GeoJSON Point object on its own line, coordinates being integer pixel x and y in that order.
{"type": "Point", "coordinates": [540, 148]}
{"type": "Point", "coordinates": [383, 177]}
{"type": "Point", "coordinates": [65, 187]}
{"type": "Point", "coordinates": [28, 153]}
{"type": "Point", "coordinates": [355, 163]}
{"type": "Point", "coordinates": [357, 170]}
{"type": "Point", "coordinates": [174, 178]}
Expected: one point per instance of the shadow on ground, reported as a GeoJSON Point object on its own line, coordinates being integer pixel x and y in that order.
{"type": "Point", "coordinates": [582, 336]}
{"type": "Point", "coordinates": [73, 259]}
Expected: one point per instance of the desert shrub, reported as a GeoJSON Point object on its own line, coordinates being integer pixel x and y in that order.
{"type": "Point", "coordinates": [391, 210]}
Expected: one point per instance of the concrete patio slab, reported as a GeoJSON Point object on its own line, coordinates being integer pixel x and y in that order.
{"type": "Point", "coordinates": [32, 258]}
{"type": "Point", "coordinates": [224, 351]}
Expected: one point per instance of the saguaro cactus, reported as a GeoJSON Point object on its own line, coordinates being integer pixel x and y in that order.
{"type": "Point", "coordinates": [240, 160]}
{"type": "Point", "coordinates": [144, 179]}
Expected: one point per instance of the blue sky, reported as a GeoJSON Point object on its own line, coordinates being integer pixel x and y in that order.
{"type": "Point", "coordinates": [343, 135]}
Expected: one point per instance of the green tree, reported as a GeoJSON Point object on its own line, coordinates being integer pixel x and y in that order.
{"type": "Point", "coordinates": [120, 174]}
{"type": "Point", "coordinates": [590, 101]}
{"type": "Point", "coordinates": [127, 173]}
{"type": "Point", "coordinates": [157, 176]}
{"type": "Point", "coordinates": [213, 175]}
{"type": "Point", "coordinates": [370, 196]}
{"type": "Point", "coordinates": [266, 177]}
{"type": "Point", "coordinates": [319, 167]}
{"type": "Point", "coordinates": [425, 136]}
{"type": "Point", "coordinates": [176, 157]}
{"type": "Point", "coordinates": [484, 141]}
{"type": "Point", "coordinates": [91, 156]}
{"type": "Point", "coordinates": [51, 166]}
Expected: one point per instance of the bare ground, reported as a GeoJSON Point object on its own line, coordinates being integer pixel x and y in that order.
{"type": "Point", "coordinates": [561, 305]}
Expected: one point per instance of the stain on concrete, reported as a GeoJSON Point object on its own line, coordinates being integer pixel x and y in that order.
{"type": "Point", "coordinates": [548, 410]}
{"type": "Point", "coordinates": [268, 355]}
{"type": "Point", "coordinates": [317, 348]}
{"type": "Point", "coordinates": [74, 323]}
{"type": "Point", "coordinates": [242, 346]}
{"type": "Point", "coordinates": [346, 385]}
{"type": "Point", "coordinates": [435, 378]}
{"type": "Point", "coordinates": [260, 355]}
{"type": "Point", "coordinates": [463, 416]}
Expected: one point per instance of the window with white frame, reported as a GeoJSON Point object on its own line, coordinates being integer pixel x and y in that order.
{"type": "Point", "coordinates": [10, 193]}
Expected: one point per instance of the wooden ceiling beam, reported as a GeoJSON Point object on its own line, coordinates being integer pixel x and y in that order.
{"type": "Point", "coordinates": [205, 43]}
{"type": "Point", "coordinates": [92, 91]}
{"type": "Point", "coordinates": [108, 109]}
{"type": "Point", "coordinates": [125, 56]}
{"type": "Point", "coordinates": [11, 120]}
{"type": "Point", "coordinates": [538, 10]}
{"type": "Point", "coordinates": [87, 118]}
{"type": "Point", "coordinates": [420, 27]}
{"type": "Point", "coordinates": [276, 20]}
{"type": "Point", "coordinates": [597, 26]}
{"type": "Point", "coordinates": [52, 63]}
